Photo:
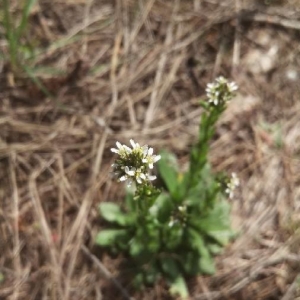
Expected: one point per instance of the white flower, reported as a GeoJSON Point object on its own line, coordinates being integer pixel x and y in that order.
{"type": "Point", "coordinates": [134, 163]}
{"type": "Point", "coordinates": [136, 174]}
{"type": "Point", "coordinates": [220, 91]}
{"type": "Point", "coordinates": [127, 179]}
{"type": "Point", "coordinates": [122, 150]}
{"type": "Point", "coordinates": [129, 172]}
{"type": "Point", "coordinates": [232, 185]}
{"type": "Point", "coordinates": [221, 79]}
{"type": "Point", "coordinates": [150, 159]}
{"type": "Point", "coordinates": [232, 86]}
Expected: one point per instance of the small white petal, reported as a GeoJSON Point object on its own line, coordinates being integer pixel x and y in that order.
{"type": "Point", "coordinates": [139, 180]}
{"type": "Point", "coordinates": [128, 150]}
{"type": "Point", "coordinates": [143, 176]}
{"type": "Point", "coordinates": [182, 208]}
{"type": "Point", "coordinates": [150, 151]}
{"type": "Point", "coordinates": [150, 166]}
{"type": "Point", "coordinates": [123, 178]}
{"type": "Point", "coordinates": [119, 145]}
{"type": "Point", "coordinates": [157, 158]}
{"type": "Point", "coordinates": [151, 177]}
{"type": "Point", "coordinates": [129, 172]}
{"type": "Point", "coordinates": [145, 150]}
{"type": "Point", "coordinates": [114, 150]}
{"type": "Point", "coordinates": [132, 143]}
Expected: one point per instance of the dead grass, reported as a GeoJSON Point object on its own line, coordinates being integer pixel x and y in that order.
{"type": "Point", "coordinates": [136, 69]}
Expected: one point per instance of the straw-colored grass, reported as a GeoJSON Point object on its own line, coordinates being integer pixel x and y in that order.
{"type": "Point", "coordinates": [125, 69]}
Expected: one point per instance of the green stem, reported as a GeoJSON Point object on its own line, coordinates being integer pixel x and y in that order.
{"type": "Point", "coordinates": [199, 153]}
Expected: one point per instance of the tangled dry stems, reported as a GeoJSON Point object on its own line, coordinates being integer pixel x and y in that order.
{"type": "Point", "coordinates": [136, 70]}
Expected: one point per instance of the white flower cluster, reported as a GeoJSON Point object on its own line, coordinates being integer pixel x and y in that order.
{"type": "Point", "coordinates": [134, 163]}
{"type": "Point", "coordinates": [232, 185]}
{"type": "Point", "coordinates": [220, 91]}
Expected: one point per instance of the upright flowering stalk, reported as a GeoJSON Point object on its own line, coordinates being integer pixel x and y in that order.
{"type": "Point", "coordinates": [218, 93]}
{"type": "Point", "coordinates": [134, 164]}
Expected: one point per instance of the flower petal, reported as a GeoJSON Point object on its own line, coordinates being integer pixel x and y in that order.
{"type": "Point", "coordinates": [151, 177]}
{"type": "Point", "coordinates": [132, 143]}
{"type": "Point", "coordinates": [123, 178]}
{"type": "Point", "coordinates": [130, 172]}
{"type": "Point", "coordinates": [150, 151]}
{"type": "Point", "coordinates": [157, 158]}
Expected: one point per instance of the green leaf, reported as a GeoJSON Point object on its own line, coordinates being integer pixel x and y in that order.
{"type": "Point", "coordinates": [190, 262]}
{"type": "Point", "coordinates": [170, 267]}
{"type": "Point", "coordinates": [204, 193]}
{"type": "Point", "coordinates": [206, 263]}
{"type": "Point", "coordinates": [162, 208]}
{"type": "Point", "coordinates": [178, 287]}
{"type": "Point", "coordinates": [138, 280]}
{"type": "Point", "coordinates": [167, 167]}
{"type": "Point", "coordinates": [151, 274]}
{"type": "Point", "coordinates": [146, 240]}
{"type": "Point", "coordinates": [183, 180]}
{"type": "Point", "coordinates": [217, 223]}
{"type": "Point", "coordinates": [214, 249]}
{"type": "Point", "coordinates": [111, 212]}
{"type": "Point", "coordinates": [173, 236]}
{"type": "Point", "coordinates": [109, 237]}
{"type": "Point", "coordinates": [136, 247]}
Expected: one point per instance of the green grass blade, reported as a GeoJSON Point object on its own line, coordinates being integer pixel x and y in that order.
{"type": "Point", "coordinates": [10, 34]}
{"type": "Point", "coordinates": [26, 10]}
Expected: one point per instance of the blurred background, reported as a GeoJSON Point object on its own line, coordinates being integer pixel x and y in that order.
{"type": "Point", "coordinates": [78, 75]}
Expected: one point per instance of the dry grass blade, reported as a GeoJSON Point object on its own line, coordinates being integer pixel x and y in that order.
{"type": "Point", "coordinates": [17, 247]}
{"type": "Point", "coordinates": [154, 100]}
{"type": "Point", "coordinates": [45, 228]}
{"type": "Point", "coordinates": [143, 68]}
